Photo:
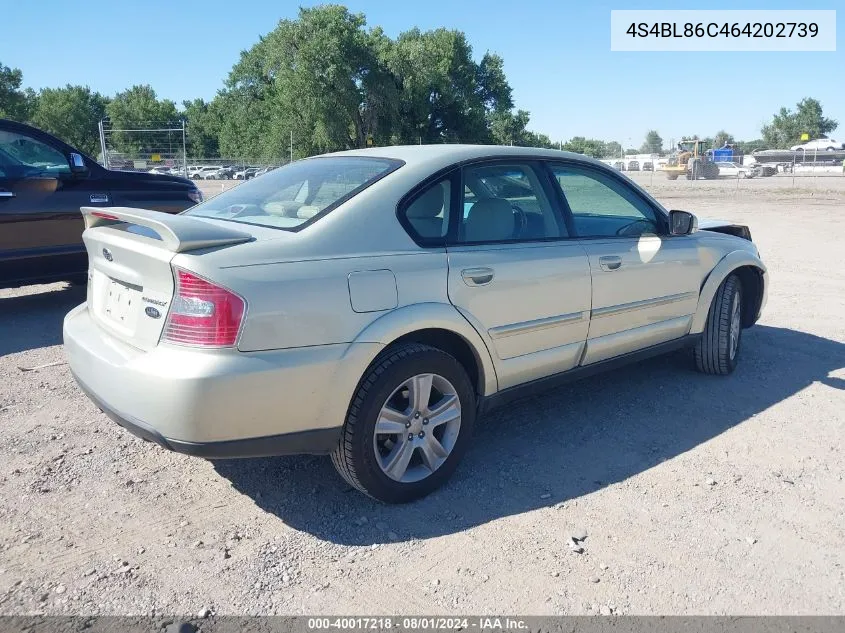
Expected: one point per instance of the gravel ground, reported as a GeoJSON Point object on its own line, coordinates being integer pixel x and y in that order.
{"type": "Point", "coordinates": [686, 493]}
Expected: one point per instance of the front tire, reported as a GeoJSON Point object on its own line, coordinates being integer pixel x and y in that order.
{"type": "Point", "coordinates": [717, 351]}
{"type": "Point", "coordinates": [408, 425]}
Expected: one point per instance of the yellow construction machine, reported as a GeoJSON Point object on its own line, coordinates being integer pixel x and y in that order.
{"type": "Point", "coordinates": [691, 160]}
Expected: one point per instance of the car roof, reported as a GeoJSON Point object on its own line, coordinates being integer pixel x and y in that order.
{"type": "Point", "coordinates": [435, 157]}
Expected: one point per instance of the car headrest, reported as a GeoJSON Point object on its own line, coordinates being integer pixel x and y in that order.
{"type": "Point", "coordinates": [429, 204]}
{"type": "Point", "coordinates": [489, 220]}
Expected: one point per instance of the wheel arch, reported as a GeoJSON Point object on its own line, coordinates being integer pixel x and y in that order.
{"type": "Point", "coordinates": [752, 275]}
{"type": "Point", "coordinates": [439, 325]}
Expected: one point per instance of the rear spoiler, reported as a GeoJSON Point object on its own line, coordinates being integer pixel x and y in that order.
{"type": "Point", "coordinates": [179, 233]}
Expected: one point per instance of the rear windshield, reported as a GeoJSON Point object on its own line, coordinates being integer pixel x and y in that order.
{"type": "Point", "coordinates": [290, 196]}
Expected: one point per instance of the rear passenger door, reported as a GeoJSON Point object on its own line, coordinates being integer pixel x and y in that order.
{"type": "Point", "coordinates": [514, 272]}
{"type": "Point", "coordinates": [645, 283]}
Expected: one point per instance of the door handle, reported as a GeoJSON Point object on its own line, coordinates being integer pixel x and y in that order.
{"type": "Point", "coordinates": [477, 276]}
{"type": "Point", "coordinates": [610, 262]}
{"type": "Point", "coordinates": [7, 194]}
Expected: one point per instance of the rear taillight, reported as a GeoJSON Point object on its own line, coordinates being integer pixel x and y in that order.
{"type": "Point", "coordinates": [203, 313]}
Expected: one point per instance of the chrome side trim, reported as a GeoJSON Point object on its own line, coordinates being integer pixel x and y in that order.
{"type": "Point", "coordinates": [524, 327]}
{"type": "Point", "coordinates": [639, 305]}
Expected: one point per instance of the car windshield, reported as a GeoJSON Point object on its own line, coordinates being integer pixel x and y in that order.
{"type": "Point", "coordinates": [290, 196]}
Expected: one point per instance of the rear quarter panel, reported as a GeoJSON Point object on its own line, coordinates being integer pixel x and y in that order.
{"type": "Point", "coordinates": [305, 303]}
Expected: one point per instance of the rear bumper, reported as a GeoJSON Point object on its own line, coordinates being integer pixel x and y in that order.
{"type": "Point", "coordinates": [318, 441]}
{"type": "Point", "coordinates": [219, 403]}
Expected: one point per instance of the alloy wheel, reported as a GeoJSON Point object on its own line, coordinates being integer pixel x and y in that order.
{"type": "Point", "coordinates": [417, 428]}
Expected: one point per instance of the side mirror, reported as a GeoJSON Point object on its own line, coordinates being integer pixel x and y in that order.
{"type": "Point", "coordinates": [682, 223]}
{"type": "Point", "coordinates": [77, 165]}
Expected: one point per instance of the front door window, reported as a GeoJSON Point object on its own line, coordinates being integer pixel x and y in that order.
{"type": "Point", "coordinates": [22, 156]}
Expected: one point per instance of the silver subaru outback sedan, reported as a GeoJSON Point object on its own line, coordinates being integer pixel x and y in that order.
{"type": "Point", "coordinates": [371, 304]}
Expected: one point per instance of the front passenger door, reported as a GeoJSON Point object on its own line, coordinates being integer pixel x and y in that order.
{"type": "Point", "coordinates": [645, 282]}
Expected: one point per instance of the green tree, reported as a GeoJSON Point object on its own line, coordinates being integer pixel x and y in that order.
{"type": "Point", "coordinates": [588, 146]}
{"type": "Point", "coordinates": [202, 122]}
{"type": "Point", "coordinates": [787, 126]}
{"type": "Point", "coordinates": [444, 95]}
{"type": "Point", "coordinates": [71, 113]}
{"type": "Point", "coordinates": [333, 84]}
{"type": "Point", "coordinates": [749, 146]}
{"type": "Point", "coordinates": [653, 143]}
{"type": "Point", "coordinates": [507, 128]}
{"type": "Point", "coordinates": [316, 77]}
{"type": "Point", "coordinates": [243, 128]}
{"type": "Point", "coordinates": [534, 139]}
{"type": "Point", "coordinates": [612, 149]}
{"type": "Point", "coordinates": [722, 137]}
{"type": "Point", "coordinates": [139, 108]}
{"type": "Point", "coordinates": [15, 103]}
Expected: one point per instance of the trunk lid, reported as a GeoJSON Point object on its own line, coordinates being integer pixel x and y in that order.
{"type": "Point", "coordinates": [130, 279]}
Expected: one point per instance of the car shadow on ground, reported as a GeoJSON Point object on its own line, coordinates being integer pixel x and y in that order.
{"type": "Point", "coordinates": [555, 447]}
{"type": "Point", "coordinates": [29, 321]}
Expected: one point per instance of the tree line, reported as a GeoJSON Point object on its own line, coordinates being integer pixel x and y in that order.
{"type": "Point", "coordinates": [330, 83]}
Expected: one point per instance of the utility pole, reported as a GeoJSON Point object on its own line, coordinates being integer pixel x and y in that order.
{"type": "Point", "coordinates": [184, 151]}
{"type": "Point", "coordinates": [103, 145]}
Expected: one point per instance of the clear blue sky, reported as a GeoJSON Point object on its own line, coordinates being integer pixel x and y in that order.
{"type": "Point", "coordinates": [557, 58]}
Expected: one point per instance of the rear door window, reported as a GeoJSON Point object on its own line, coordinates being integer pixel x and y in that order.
{"type": "Point", "coordinates": [505, 203]}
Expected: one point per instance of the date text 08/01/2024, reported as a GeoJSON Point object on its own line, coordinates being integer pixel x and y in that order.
{"type": "Point", "coordinates": [427, 623]}
{"type": "Point", "coordinates": [713, 29]}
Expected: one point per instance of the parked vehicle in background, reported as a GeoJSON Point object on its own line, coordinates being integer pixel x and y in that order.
{"type": "Point", "coordinates": [763, 169]}
{"type": "Point", "coordinates": [217, 173]}
{"type": "Point", "coordinates": [820, 145]}
{"type": "Point", "coordinates": [619, 165]}
{"type": "Point", "coordinates": [633, 165]}
{"type": "Point", "coordinates": [264, 170]}
{"type": "Point", "coordinates": [43, 184]}
{"type": "Point", "coordinates": [205, 172]}
{"type": "Point", "coordinates": [735, 170]}
{"type": "Point", "coordinates": [648, 166]}
{"type": "Point", "coordinates": [245, 174]}
{"type": "Point", "coordinates": [452, 278]}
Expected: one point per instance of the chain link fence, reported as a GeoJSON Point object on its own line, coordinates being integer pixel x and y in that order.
{"type": "Point", "coordinates": [144, 146]}
{"type": "Point", "coordinates": [162, 147]}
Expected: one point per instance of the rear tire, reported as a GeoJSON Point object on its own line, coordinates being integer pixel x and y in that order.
{"type": "Point", "coordinates": [717, 352]}
{"type": "Point", "coordinates": [387, 395]}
